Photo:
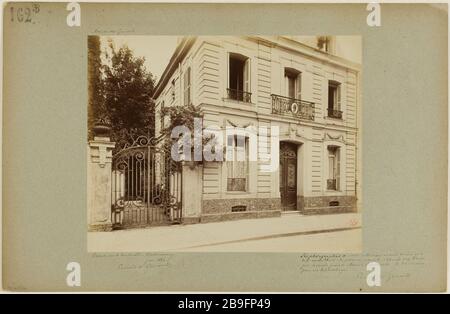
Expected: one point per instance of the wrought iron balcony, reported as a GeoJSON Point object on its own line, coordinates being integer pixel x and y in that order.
{"type": "Point", "coordinates": [292, 107]}
{"type": "Point", "coordinates": [334, 113]}
{"type": "Point", "coordinates": [331, 184]}
{"type": "Point", "coordinates": [239, 95]}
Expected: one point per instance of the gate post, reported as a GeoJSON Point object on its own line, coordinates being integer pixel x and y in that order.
{"type": "Point", "coordinates": [192, 186]}
{"type": "Point", "coordinates": [99, 184]}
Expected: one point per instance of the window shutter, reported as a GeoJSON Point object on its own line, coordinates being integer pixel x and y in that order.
{"type": "Point", "coordinates": [330, 166]}
{"type": "Point", "coordinates": [231, 157]}
{"type": "Point", "coordinates": [187, 86]}
{"type": "Point", "coordinates": [338, 167]}
{"type": "Point", "coordinates": [247, 160]}
{"type": "Point", "coordinates": [286, 85]}
{"type": "Point", "coordinates": [298, 86]}
{"type": "Point", "coordinates": [173, 90]}
{"type": "Point", "coordinates": [237, 167]}
{"type": "Point", "coordinates": [247, 75]}
{"type": "Point", "coordinates": [162, 116]}
{"type": "Point", "coordinates": [338, 97]}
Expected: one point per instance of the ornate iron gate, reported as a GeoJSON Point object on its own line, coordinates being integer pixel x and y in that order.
{"type": "Point", "coordinates": [146, 186]}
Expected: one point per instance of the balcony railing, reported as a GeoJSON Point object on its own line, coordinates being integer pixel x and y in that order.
{"type": "Point", "coordinates": [334, 113]}
{"type": "Point", "coordinates": [292, 107]}
{"type": "Point", "coordinates": [239, 95]}
{"type": "Point", "coordinates": [331, 184]}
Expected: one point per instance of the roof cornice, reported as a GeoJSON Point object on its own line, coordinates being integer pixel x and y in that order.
{"type": "Point", "coordinates": [299, 47]}
{"type": "Point", "coordinates": [180, 52]}
{"type": "Point", "coordinates": [281, 42]}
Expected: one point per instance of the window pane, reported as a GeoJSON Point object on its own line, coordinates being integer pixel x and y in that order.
{"type": "Point", "coordinates": [237, 167]}
{"type": "Point", "coordinates": [291, 87]}
{"type": "Point", "coordinates": [237, 184]}
{"type": "Point", "coordinates": [236, 79]}
{"type": "Point", "coordinates": [331, 167]}
{"type": "Point", "coordinates": [331, 96]}
{"type": "Point", "coordinates": [299, 86]}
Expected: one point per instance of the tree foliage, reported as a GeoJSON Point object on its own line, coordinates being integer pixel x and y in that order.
{"type": "Point", "coordinates": [120, 90]}
{"type": "Point", "coordinates": [184, 116]}
{"type": "Point", "coordinates": [128, 88]}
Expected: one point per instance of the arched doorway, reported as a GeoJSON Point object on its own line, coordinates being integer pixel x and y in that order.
{"type": "Point", "coordinates": [288, 176]}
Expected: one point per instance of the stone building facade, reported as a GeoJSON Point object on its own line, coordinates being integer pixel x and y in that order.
{"type": "Point", "coordinates": [303, 85]}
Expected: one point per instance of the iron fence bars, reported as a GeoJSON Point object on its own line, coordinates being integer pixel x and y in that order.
{"type": "Point", "coordinates": [239, 95]}
{"type": "Point", "coordinates": [334, 113]}
{"type": "Point", "coordinates": [146, 186]}
{"type": "Point", "coordinates": [296, 108]}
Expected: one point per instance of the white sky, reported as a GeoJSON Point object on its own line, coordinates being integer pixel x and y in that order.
{"type": "Point", "coordinates": [157, 50]}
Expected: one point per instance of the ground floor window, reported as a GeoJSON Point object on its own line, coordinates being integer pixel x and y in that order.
{"type": "Point", "coordinates": [333, 168]}
{"type": "Point", "coordinates": [237, 163]}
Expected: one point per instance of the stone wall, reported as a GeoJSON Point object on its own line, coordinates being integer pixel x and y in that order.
{"type": "Point", "coordinates": [99, 184]}
{"type": "Point", "coordinates": [217, 206]}
{"type": "Point", "coordinates": [221, 209]}
{"type": "Point", "coordinates": [317, 205]}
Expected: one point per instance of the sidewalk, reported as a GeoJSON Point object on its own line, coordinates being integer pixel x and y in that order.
{"type": "Point", "coordinates": [214, 236]}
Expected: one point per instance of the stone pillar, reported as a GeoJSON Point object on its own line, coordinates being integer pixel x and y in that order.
{"type": "Point", "coordinates": [99, 184]}
{"type": "Point", "coordinates": [192, 193]}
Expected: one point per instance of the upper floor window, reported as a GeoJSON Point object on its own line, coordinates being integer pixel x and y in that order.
{"type": "Point", "coordinates": [334, 100]}
{"type": "Point", "coordinates": [187, 87]}
{"type": "Point", "coordinates": [293, 83]}
{"type": "Point", "coordinates": [333, 168]}
{"type": "Point", "coordinates": [239, 78]}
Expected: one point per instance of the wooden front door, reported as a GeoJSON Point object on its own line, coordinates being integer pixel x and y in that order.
{"type": "Point", "coordinates": [288, 176]}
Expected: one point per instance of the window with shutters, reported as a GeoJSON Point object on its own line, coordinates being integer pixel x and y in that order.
{"type": "Point", "coordinates": [237, 163]}
{"type": "Point", "coordinates": [334, 165]}
{"type": "Point", "coordinates": [239, 78]}
{"type": "Point", "coordinates": [293, 81]}
{"type": "Point", "coordinates": [187, 86]}
{"type": "Point", "coordinates": [162, 115]}
{"type": "Point", "coordinates": [334, 100]}
{"type": "Point", "coordinates": [291, 101]}
{"type": "Point", "coordinates": [172, 90]}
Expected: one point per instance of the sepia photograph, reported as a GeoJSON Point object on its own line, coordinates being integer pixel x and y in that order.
{"type": "Point", "coordinates": [224, 143]}
{"type": "Point", "coordinates": [220, 155]}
